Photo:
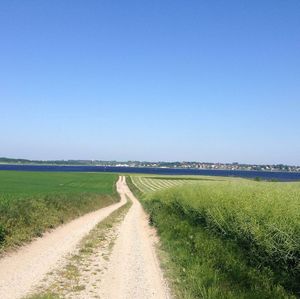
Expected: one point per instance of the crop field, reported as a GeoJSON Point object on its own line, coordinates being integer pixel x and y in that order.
{"type": "Point", "coordinates": [32, 202]}
{"type": "Point", "coordinates": [148, 184]}
{"type": "Point", "coordinates": [153, 183]}
{"type": "Point", "coordinates": [229, 238]}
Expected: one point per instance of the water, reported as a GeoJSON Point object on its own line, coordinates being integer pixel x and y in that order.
{"type": "Point", "coordinates": [264, 175]}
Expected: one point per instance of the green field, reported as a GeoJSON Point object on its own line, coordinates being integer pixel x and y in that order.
{"type": "Point", "coordinates": [32, 202]}
{"type": "Point", "coordinates": [226, 238]}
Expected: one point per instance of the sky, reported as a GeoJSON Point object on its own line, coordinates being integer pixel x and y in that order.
{"type": "Point", "coordinates": [159, 80]}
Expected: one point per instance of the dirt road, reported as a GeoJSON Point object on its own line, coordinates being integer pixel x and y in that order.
{"type": "Point", "coordinates": [132, 270]}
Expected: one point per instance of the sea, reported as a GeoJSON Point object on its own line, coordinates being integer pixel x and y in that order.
{"type": "Point", "coordinates": [263, 175]}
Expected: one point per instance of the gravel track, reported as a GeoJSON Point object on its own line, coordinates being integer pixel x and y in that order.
{"type": "Point", "coordinates": [134, 270]}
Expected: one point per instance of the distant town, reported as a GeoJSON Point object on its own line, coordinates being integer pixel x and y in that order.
{"type": "Point", "coordinates": [186, 165]}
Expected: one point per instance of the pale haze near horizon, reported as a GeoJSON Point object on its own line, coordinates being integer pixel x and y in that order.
{"type": "Point", "coordinates": [214, 81]}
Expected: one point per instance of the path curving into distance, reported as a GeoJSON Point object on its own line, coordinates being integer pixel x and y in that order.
{"type": "Point", "coordinates": [133, 271]}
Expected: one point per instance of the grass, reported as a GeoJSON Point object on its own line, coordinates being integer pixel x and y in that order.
{"type": "Point", "coordinates": [228, 239]}
{"type": "Point", "coordinates": [32, 202]}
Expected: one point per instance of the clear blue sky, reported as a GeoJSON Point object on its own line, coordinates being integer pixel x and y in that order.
{"type": "Point", "coordinates": [151, 80]}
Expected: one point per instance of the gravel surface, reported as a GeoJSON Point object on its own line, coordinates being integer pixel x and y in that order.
{"type": "Point", "coordinates": [134, 270]}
